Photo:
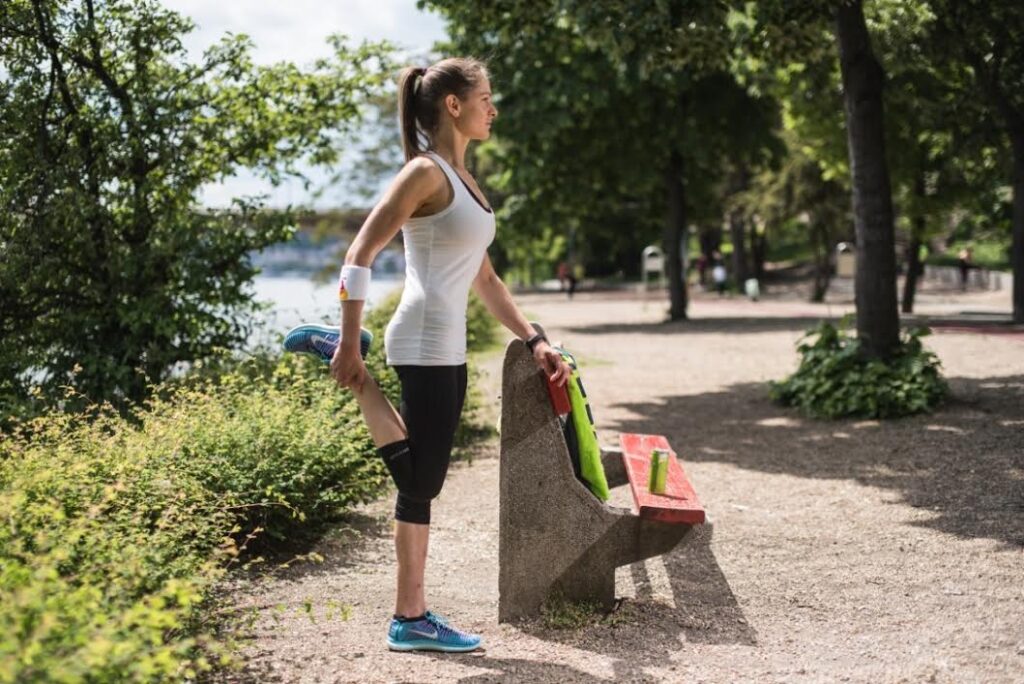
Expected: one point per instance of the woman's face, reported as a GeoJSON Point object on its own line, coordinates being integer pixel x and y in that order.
{"type": "Point", "coordinates": [477, 112]}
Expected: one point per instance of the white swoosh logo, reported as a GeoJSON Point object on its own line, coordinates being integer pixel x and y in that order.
{"type": "Point", "coordinates": [428, 635]}
{"type": "Point", "coordinates": [321, 344]}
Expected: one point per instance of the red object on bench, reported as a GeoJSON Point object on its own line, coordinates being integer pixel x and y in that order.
{"type": "Point", "coordinates": [679, 503]}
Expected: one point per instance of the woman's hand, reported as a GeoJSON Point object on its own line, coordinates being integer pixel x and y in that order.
{"type": "Point", "coordinates": [348, 369]}
{"type": "Point", "coordinates": [551, 362]}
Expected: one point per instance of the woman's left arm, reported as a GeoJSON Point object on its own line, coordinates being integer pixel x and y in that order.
{"type": "Point", "coordinates": [498, 300]}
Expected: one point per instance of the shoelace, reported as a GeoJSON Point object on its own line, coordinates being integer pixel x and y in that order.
{"type": "Point", "coordinates": [324, 345]}
{"type": "Point", "coordinates": [444, 630]}
{"type": "Point", "coordinates": [437, 617]}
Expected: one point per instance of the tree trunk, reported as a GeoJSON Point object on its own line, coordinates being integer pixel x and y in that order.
{"type": "Point", "coordinates": [673, 235]}
{"type": "Point", "coordinates": [822, 264]}
{"type": "Point", "coordinates": [738, 230]}
{"type": "Point", "coordinates": [758, 252]}
{"type": "Point", "coordinates": [710, 240]}
{"type": "Point", "coordinates": [913, 266]}
{"type": "Point", "coordinates": [737, 233]}
{"type": "Point", "coordinates": [878, 322]}
{"type": "Point", "coordinates": [914, 250]}
{"type": "Point", "coordinates": [1017, 246]}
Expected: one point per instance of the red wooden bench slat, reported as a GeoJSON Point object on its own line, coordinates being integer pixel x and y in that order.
{"type": "Point", "coordinates": [679, 503]}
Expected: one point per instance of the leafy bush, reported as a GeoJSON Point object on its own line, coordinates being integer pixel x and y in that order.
{"type": "Point", "coordinates": [121, 273]}
{"type": "Point", "coordinates": [835, 379]}
{"type": "Point", "coordinates": [992, 254]}
{"type": "Point", "coordinates": [115, 529]}
{"type": "Point", "coordinates": [482, 331]}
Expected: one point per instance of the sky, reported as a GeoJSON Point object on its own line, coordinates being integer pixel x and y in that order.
{"type": "Point", "coordinates": [296, 30]}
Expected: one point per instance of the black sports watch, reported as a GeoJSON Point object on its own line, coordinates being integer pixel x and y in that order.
{"type": "Point", "coordinates": [532, 342]}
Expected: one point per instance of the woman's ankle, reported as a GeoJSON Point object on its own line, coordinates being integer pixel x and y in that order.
{"type": "Point", "coordinates": [406, 614]}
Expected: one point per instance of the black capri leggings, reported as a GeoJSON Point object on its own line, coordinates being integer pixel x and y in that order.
{"type": "Point", "coordinates": [432, 399]}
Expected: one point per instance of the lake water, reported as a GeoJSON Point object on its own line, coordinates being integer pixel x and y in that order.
{"type": "Point", "coordinates": [294, 300]}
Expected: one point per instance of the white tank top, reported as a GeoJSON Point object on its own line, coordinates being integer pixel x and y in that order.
{"type": "Point", "coordinates": [443, 254]}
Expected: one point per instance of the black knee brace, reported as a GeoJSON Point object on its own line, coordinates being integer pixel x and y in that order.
{"type": "Point", "coordinates": [397, 456]}
{"type": "Point", "coordinates": [414, 493]}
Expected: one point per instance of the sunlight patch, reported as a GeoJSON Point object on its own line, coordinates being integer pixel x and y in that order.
{"type": "Point", "coordinates": [946, 428]}
{"type": "Point", "coordinates": [781, 421]}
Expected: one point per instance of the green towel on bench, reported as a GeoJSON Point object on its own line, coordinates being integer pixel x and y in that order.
{"type": "Point", "coordinates": [588, 451]}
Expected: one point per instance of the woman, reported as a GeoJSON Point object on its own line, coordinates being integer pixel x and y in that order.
{"type": "Point", "coordinates": [447, 226]}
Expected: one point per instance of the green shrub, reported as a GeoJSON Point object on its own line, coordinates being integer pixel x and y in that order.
{"type": "Point", "coordinates": [482, 331]}
{"type": "Point", "coordinates": [115, 529]}
{"type": "Point", "coordinates": [835, 379]}
{"type": "Point", "coordinates": [114, 532]}
{"type": "Point", "coordinates": [991, 254]}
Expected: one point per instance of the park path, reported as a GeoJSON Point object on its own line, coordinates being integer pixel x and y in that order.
{"type": "Point", "coordinates": [843, 551]}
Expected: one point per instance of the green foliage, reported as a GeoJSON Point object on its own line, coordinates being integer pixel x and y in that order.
{"type": "Point", "coordinates": [835, 380]}
{"type": "Point", "coordinates": [994, 254]}
{"type": "Point", "coordinates": [115, 529]}
{"type": "Point", "coordinates": [111, 274]}
{"type": "Point", "coordinates": [558, 612]}
{"type": "Point", "coordinates": [620, 89]}
{"type": "Point", "coordinates": [482, 330]}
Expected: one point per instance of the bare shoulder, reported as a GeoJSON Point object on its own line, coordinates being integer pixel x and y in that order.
{"type": "Point", "coordinates": [421, 175]}
{"type": "Point", "coordinates": [419, 189]}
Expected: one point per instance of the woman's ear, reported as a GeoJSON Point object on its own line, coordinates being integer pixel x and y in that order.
{"type": "Point", "coordinates": [452, 104]}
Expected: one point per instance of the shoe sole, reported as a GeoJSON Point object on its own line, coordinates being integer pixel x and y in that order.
{"type": "Point", "coordinates": [426, 645]}
{"type": "Point", "coordinates": [297, 340]}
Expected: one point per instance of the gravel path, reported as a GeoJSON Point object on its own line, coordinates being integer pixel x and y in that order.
{"type": "Point", "coordinates": [843, 551]}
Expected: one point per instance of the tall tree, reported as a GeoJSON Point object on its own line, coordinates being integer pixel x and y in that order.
{"type": "Point", "coordinates": [989, 38]}
{"type": "Point", "coordinates": [793, 30]}
{"type": "Point", "coordinates": [878, 323]}
{"type": "Point", "coordinates": [112, 274]}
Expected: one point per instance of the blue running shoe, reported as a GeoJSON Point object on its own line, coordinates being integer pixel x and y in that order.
{"type": "Point", "coordinates": [321, 341]}
{"type": "Point", "coordinates": [430, 634]}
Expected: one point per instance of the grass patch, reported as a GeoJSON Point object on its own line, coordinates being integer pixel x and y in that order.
{"type": "Point", "coordinates": [559, 613]}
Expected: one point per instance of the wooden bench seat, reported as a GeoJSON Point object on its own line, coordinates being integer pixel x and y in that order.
{"type": "Point", "coordinates": [679, 503]}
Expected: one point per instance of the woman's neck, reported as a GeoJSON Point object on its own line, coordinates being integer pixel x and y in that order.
{"type": "Point", "coordinates": [451, 146]}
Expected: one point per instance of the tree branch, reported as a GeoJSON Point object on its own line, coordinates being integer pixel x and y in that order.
{"type": "Point", "coordinates": [52, 48]}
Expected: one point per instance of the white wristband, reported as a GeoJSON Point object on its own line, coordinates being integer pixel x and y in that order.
{"type": "Point", "coordinates": [354, 283]}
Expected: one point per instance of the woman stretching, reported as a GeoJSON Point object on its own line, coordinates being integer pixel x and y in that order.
{"type": "Point", "coordinates": [447, 228]}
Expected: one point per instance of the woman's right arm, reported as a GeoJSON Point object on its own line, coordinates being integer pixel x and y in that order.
{"type": "Point", "coordinates": [416, 183]}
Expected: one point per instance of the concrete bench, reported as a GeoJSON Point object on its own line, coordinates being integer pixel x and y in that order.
{"type": "Point", "coordinates": [555, 536]}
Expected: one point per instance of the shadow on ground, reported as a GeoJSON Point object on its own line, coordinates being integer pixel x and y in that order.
{"type": "Point", "coordinates": [644, 632]}
{"type": "Point", "coordinates": [965, 462]}
{"type": "Point", "coordinates": [985, 323]}
{"type": "Point", "coordinates": [705, 326]}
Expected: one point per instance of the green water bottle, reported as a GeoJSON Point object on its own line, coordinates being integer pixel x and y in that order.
{"type": "Point", "coordinates": [658, 472]}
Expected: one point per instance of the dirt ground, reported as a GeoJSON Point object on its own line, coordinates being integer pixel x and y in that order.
{"type": "Point", "coordinates": [842, 551]}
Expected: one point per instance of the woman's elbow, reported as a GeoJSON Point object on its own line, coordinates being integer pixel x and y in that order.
{"type": "Point", "coordinates": [486, 283]}
{"type": "Point", "coordinates": [359, 254]}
